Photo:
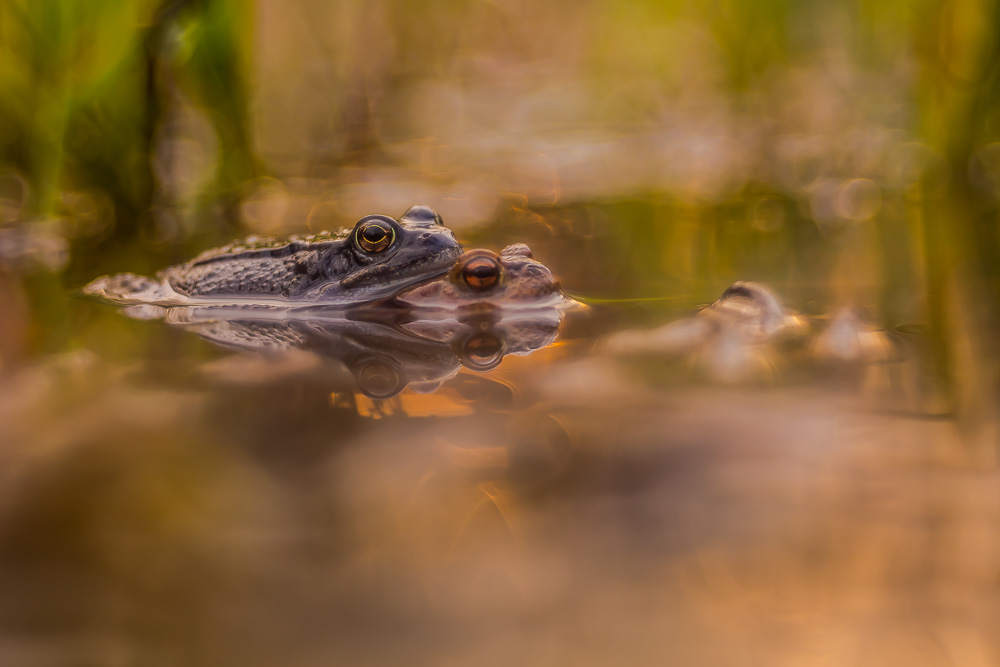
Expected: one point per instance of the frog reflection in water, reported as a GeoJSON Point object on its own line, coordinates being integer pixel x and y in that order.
{"type": "Point", "coordinates": [377, 258]}
{"type": "Point", "coordinates": [384, 350]}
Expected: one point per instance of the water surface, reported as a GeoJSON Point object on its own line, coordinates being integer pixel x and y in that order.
{"type": "Point", "coordinates": [380, 491]}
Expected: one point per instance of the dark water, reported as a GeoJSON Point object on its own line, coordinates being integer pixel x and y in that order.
{"type": "Point", "coordinates": [575, 488]}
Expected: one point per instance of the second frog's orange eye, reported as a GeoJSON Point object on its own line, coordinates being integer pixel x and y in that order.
{"type": "Point", "coordinates": [482, 273]}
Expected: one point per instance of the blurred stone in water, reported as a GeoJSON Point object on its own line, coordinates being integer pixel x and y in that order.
{"type": "Point", "coordinates": [731, 340]}
{"type": "Point", "coordinates": [886, 367]}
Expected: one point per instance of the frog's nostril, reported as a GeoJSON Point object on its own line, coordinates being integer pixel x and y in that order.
{"type": "Point", "coordinates": [425, 236]}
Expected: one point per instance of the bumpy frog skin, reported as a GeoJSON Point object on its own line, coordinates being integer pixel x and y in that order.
{"type": "Point", "coordinates": [375, 259]}
{"type": "Point", "coordinates": [481, 278]}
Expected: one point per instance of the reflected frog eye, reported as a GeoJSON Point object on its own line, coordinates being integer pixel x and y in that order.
{"type": "Point", "coordinates": [377, 380]}
{"type": "Point", "coordinates": [482, 273]}
{"type": "Point", "coordinates": [375, 236]}
{"type": "Point", "coordinates": [482, 352]}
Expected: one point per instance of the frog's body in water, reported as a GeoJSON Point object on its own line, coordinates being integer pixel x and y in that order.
{"type": "Point", "coordinates": [378, 257]}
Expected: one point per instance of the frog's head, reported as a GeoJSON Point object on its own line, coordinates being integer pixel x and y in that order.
{"type": "Point", "coordinates": [512, 278]}
{"type": "Point", "coordinates": [389, 254]}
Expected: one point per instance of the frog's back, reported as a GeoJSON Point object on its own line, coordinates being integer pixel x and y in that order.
{"type": "Point", "coordinates": [256, 266]}
{"type": "Point", "coordinates": [263, 247]}
{"type": "Point", "coordinates": [239, 275]}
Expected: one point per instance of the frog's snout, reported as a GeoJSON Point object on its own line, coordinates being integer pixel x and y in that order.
{"type": "Point", "coordinates": [440, 241]}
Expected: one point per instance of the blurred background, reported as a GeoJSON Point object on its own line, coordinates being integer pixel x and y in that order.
{"type": "Point", "coordinates": [651, 152]}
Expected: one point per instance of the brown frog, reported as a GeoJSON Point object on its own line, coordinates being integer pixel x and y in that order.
{"type": "Point", "coordinates": [483, 279]}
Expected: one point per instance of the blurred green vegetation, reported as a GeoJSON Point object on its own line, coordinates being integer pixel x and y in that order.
{"type": "Point", "coordinates": [844, 152]}
{"type": "Point", "coordinates": [87, 88]}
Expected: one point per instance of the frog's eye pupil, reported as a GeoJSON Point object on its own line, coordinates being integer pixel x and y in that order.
{"type": "Point", "coordinates": [374, 236]}
{"type": "Point", "coordinates": [481, 273]}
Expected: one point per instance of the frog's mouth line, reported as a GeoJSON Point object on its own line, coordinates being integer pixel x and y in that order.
{"type": "Point", "coordinates": [419, 270]}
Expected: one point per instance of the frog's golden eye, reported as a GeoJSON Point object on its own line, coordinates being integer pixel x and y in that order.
{"type": "Point", "coordinates": [375, 235]}
{"type": "Point", "coordinates": [482, 273]}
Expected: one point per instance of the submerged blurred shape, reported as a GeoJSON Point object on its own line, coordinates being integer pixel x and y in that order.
{"type": "Point", "coordinates": [850, 337]}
